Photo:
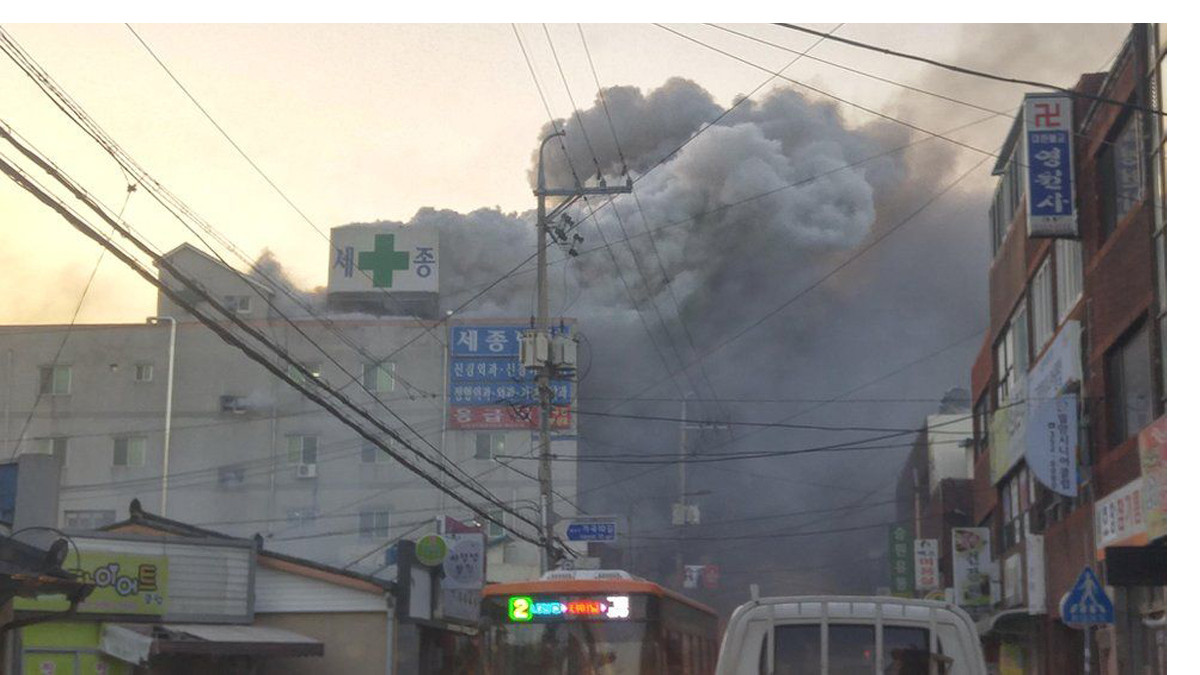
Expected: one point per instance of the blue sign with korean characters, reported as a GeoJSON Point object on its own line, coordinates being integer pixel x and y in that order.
{"type": "Point", "coordinates": [1086, 603]}
{"type": "Point", "coordinates": [1050, 169]}
{"type": "Point", "coordinates": [489, 389]}
{"type": "Point", "coordinates": [592, 531]}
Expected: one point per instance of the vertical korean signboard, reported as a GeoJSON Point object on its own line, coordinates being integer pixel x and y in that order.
{"type": "Point", "coordinates": [900, 561]}
{"type": "Point", "coordinates": [1052, 432]}
{"type": "Point", "coordinates": [488, 387]}
{"type": "Point", "coordinates": [972, 566]}
{"type": "Point", "coordinates": [1152, 446]}
{"type": "Point", "coordinates": [1050, 190]}
{"type": "Point", "coordinates": [925, 559]}
{"type": "Point", "coordinates": [1120, 518]}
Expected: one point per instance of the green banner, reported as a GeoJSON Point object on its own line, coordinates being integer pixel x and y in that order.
{"type": "Point", "coordinates": [900, 561]}
{"type": "Point", "coordinates": [125, 584]}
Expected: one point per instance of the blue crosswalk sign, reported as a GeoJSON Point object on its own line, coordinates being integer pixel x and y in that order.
{"type": "Point", "coordinates": [1086, 603]}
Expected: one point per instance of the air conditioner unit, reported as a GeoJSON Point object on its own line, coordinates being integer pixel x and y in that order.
{"type": "Point", "coordinates": [306, 471]}
{"type": "Point", "coordinates": [535, 349]}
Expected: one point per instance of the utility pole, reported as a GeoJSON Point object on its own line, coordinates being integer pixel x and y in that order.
{"type": "Point", "coordinates": [538, 344]}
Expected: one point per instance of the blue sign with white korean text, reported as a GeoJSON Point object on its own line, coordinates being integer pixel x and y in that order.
{"type": "Point", "coordinates": [1050, 172]}
{"type": "Point", "coordinates": [489, 388]}
{"type": "Point", "coordinates": [1086, 603]}
{"type": "Point", "coordinates": [506, 393]}
{"type": "Point", "coordinates": [592, 531]}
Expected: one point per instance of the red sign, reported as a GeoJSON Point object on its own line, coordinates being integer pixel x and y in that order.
{"type": "Point", "coordinates": [506, 417]}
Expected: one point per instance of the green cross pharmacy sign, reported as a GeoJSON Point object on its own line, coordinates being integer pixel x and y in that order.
{"type": "Point", "coordinates": [383, 258]}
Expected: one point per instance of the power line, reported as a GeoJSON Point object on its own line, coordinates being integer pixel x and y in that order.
{"type": "Point", "coordinates": [971, 71]}
{"type": "Point", "coordinates": [79, 223]}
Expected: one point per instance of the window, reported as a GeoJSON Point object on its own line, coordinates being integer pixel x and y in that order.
{"type": "Point", "coordinates": [302, 517]}
{"type": "Point", "coordinates": [1121, 173]}
{"type": "Point", "coordinates": [379, 377]}
{"type": "Point", "coordinates": [1130, 392]}
{"type": "Point", "coordinates": [297, 375]}
{"type": "Point", "coordinates": [237, 303]}
{"type": "Point", "coordinates": [1068, 263]}
{"type": "Point", "coordinates": [231, 476]}
{"type": "Point", "coordinates": [143, 372]}
{"type": "Point", "coordinates": [1006, 202]}
{"type": "Point", "coordinates": [54, 380]}
{"type": "Point", "coordinates": [1015, 504]}
{"type": "Point", "coordinates": [1041, 297]}
{"type": "Point", "coordinates": [52, 445]}
{"type": "Point", "coordinates": [373, 524]}
{"type": "Point", "coordinates": [983, 418]}
{"type": "Point", "coordinates": [302, 449]}
{"type": "Point", "coordinates": [1012, 356]}
{"type": "Point", "coordinates": [88, 519]}
{"type": "Point", "coordinates": [370, 452]}
{"type": "Point", "coordinates": [488, 445]}
{"type": "Point", "coordinates": [495, 531]}
{"type": "Point", "coordinates": [129, 451]}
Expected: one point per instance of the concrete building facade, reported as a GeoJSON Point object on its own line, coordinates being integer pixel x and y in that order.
{"type": "Point", "coordinates": [247, 453]}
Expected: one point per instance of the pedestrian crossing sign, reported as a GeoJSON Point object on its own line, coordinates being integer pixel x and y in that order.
{"type": "Point", "coordinates": [1086, 603]}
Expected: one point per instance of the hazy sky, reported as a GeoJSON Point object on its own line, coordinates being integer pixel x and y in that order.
{"type": "Point", "coordinates": [366, 122]}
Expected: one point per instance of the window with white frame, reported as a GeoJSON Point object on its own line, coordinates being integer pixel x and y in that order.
{"type": "Point", "coordinates": [1121, 173]}
{"type": "Point", "coordinates": [379, 377]}
{"type": "Point", "coordinates": [1068, 273]}
{"type": "Point", "coordinates": [302, 449]}
{"type": "Point", "coordinates": [1015, 503]}
{"type": "Point", "coordinates": [495, 530]}
{"type": "Point", "coordinates": [129, 451]}
{"type": "Point", "coordinates": [237, 303]}
{"type": "Point", "coordinates": [88, 519]}
{"type": "Point", "coordinates": [1130, 389]}
{"type": "Point", "coordinates": [52, 445]}
{"type": "Point", "coordinates": [488, 445]}
{"type": "Point", "coordinates": [143, 372]}
{"type": "Point", "coordinates": [1012, 356]}
{"type": "Point", "coordinates": [54, 380]}
{"type": "Point", "coordinates": [1041, 299]}
{"type": "Point", "coordinates": [373, 524]}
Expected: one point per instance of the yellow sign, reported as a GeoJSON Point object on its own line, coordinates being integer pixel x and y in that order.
{"type": "Point", "coordinates": [1012, 659]}
{"type": "Point", "coordinates": [125, 584]}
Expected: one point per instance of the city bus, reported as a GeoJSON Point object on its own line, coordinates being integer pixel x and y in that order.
{"type": "Point", "coordinates": [595, 622]}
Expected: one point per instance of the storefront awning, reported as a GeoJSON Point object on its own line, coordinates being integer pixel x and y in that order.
{"type": "Point", "coordinates": [136, 643]}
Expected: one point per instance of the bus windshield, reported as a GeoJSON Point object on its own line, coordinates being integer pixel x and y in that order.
{"type": "Point", "coordinates": [570, 648]}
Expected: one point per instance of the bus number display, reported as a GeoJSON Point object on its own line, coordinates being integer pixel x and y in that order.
{"type": "Point", "coordinates": [524, 608]}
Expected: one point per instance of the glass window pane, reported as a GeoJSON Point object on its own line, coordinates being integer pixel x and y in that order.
{"type": "Point", "coordinates": [797, 650]}
{"type": "Point", "coordinates": [851, 649]}
{"type": "Point", "coordinates": [905, 650]}
{"type": "Point", "coordinates": [1136, 386]}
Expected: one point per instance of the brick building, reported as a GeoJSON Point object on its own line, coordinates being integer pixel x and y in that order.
{"type": "Point", "coordinates": [1091, 309]}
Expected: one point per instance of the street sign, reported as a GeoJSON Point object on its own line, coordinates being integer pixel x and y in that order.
{"type": "Point", "coordinates": [1086, 603]}
{"type": "Point", "coordinates": [592, 531]}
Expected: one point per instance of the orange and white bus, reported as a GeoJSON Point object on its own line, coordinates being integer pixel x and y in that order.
{"type": "Point", "coordinates": [596, 622]}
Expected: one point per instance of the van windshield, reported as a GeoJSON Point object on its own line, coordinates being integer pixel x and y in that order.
{"type": "Point", "coordinates": [906, 650]}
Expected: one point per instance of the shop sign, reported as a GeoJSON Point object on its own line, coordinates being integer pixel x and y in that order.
{"type": "Point", "coordinates": [1121, 518]}
{"type": "Point", "coordinates": [925, 554]}
{"type": "Point", "coordinates": [1007, 437]}
{"type": "Point", "coordinates": [900, 552]}
{"type": "Point", "coordinates": [1035, 573]}
{"type": "Point", "coordinates": [1050, 192]}
{"type": "Point", "coordinates": [1152, 446]}
{"type": "Point", "coordinates": [973, 569]}
{"type": "Point", "coordinates": [125, 584]}
{"type": "Point", "coordinates": [1052, 434]}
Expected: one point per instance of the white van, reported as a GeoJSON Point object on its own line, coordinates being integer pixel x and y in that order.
{"type": "Point", "coordinates": [850, 635]}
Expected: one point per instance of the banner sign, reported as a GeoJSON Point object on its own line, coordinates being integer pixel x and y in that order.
{"type": "Point", "coordinates": [125, 584]}
{"type": "Point", "coordinates": [1052, 432]}
{"type": "Point", "coordinates": [900, 561]}
{"type": "Point", "coordinates": [972, 566]}
{"type": "Point", "coordinates": [489, 388]}
{"type": "Point", "coordinates": [1152, 446]}
{"type": "Point", "coordinates": [925, 562]}
{"type": "Point", "coordinates": [1007, 436]}
{"type": "Point", "coordinates": [1050, 174]}
{"type": "Point", "coordinates": [1121, 518]}
{"type": "Point", "coordinates": [383, 258]}
{"type": "Point", "coordinates": [592, 531]}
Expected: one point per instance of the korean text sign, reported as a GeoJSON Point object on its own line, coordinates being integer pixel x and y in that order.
{"type": "Point", "coordinates": [488, 387]}
{"type": "Point", "coordinates": [900, 560]}
{"type": "Point", "coordinates": [1050, 173]}
{"type": "Point", "coordinates": [125, 584]}
{"type": "Point", "coordinates": [972, 566]}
